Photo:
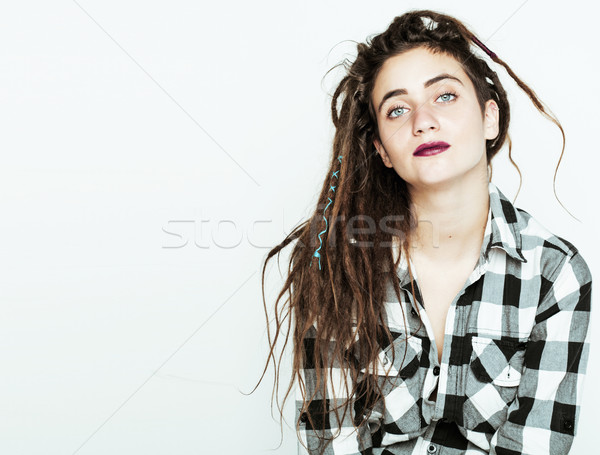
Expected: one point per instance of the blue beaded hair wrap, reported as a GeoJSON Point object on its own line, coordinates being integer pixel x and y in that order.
{"type": "Point", "coordinates": [316, 254]}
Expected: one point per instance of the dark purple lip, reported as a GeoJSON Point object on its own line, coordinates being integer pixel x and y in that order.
{"type": "Point", "coordinates": [431, 148]}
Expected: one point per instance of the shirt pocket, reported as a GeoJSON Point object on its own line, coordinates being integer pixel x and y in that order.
{"type": "Point", "coordinates": [400, 360]}
{"type": "Point", "coordinates": [403, 357]}
{"type": "Point", "coordinates": [402, 419]}
{"type": "Point", "coordinates": [492, 379]}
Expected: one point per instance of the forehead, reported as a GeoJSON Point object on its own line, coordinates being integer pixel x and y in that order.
{"type": "Point", "coordinates": [411, 69]}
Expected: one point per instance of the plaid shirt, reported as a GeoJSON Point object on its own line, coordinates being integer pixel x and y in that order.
{"type": "Point", "coordinates": [514, 356]}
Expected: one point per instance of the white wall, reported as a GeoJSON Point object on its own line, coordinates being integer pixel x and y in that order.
{"type": "Point", "coordinates": [124, 121]}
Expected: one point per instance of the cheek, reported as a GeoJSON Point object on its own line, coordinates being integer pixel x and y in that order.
{"type": "Point", "coordinates": [468, 128]}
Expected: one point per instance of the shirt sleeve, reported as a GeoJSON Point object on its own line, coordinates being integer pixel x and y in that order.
{"type": "Point", "coordinates": [543, 418]}
{"type": "Point", "coordinates": [321, 432]}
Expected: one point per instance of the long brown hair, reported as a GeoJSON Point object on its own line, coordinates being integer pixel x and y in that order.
{"type": "Point", "coordinates": [340, 297]}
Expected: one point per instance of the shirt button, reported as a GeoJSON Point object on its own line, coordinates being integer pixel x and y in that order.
{"type": "Point", "coordinates": [431, 448]}
{"type": "Point", "coordinates": [568, 424]}
{"type": "Point", "coordinates": [436, 370]}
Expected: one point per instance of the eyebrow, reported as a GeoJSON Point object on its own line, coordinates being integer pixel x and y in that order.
{"type": "Point", "coordinates": [403, 91]}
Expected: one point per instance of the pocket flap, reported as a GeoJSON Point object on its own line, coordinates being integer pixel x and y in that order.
{"type": "Point", "coordinates": [497, 361]}
{"type": "Point", "coordinates": [401, 359]}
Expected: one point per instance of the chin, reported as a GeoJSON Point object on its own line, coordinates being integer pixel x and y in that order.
{"type": "Point", "coordinates": [434, 181]}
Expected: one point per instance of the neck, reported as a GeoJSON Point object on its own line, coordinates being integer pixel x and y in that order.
{"type": "Point", "coordinates": [450, 219]}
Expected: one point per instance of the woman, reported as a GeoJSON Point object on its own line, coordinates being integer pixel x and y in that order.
{"type": "Point", "coordinates": [427, 313]}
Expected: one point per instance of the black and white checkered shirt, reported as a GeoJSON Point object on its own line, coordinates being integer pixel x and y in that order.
{"type": "Point", "coordinates": [514, 356]}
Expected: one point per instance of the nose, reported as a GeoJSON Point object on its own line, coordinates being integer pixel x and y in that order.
{"type": "Point", "coordinates": [424, 121]}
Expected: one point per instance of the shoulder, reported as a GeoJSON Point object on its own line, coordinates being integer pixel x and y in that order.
{"type": "Point", "coordinates": [551, 253]}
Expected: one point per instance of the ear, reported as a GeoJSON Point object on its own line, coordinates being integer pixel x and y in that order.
{"type": "Point", "coordinates": [382, 153]}
{"type": "Point", "coordinates": [491, 120]}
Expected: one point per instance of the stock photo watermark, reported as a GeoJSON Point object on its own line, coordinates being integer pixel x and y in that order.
{"type": "Point", "coordinates": [221, 232]}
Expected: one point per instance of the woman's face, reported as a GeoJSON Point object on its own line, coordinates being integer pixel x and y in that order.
{"type": "Point", "coordinates": [421, 97]}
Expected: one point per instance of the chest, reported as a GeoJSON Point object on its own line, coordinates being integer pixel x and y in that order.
{"type": "Point", "coordinates": [439, 285]}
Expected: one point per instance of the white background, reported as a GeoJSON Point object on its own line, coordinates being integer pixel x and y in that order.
{"type": "Point", "coordinates": [152, 153]}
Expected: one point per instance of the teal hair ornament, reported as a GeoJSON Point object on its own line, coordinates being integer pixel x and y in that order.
{"type": "Point", "coordinates": [316, 254]}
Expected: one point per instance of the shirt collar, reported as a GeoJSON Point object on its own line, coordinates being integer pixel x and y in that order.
{"type": "Point", "coordinates": [502, 230]}
{"type": "Point", "coordinates": [506, 225]}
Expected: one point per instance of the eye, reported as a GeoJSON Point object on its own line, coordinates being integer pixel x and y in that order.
{"type": "Point", "coordinates": [393, 109]}
{"type": "Point", "coordinates": [448, 94]}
